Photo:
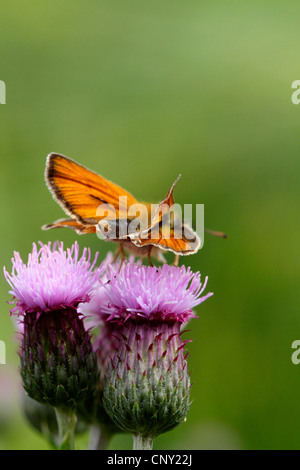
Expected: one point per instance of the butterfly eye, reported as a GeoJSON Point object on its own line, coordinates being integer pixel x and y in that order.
{"type": "Point", "coordinates": [105, 227]}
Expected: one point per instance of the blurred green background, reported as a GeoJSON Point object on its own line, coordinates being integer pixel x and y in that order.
{"type": "Point", "coordinates": [142, 91]}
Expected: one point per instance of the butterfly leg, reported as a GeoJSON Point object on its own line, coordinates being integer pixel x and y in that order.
{"type": "Point", "coordinates": [149, 256]}
{"type": "Point", "coordinates": [176, 260]}
{"type": "Point", "coordinates": [122, 256]}
{"type": "Point", "coordinates": [117, 253]}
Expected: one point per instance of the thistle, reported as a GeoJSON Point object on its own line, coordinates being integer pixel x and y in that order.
{"type": "Point", "coordinates": [57, 362]}
{"type": "Point", "coordinates": [147, 384]}
{"type": "Point", "coordinates": [105, 341]}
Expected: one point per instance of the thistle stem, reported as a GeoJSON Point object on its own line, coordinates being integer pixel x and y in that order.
{"type": "Point", "coordinates": [66, 420]}
{"type": "Point", "coordinates": [142, 442]}
{"type": "Point", "coordinates": [99, 439]}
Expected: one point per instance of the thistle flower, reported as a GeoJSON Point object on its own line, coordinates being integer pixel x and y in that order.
{"type": "Point", "coordinates": [58, 365]}
{"type": "Point", "coordinates": [52, 278]}
{"type": "Point", "coordinates": [167, 293]}
{"type": "Point", "coordinates": [143, 309]}
{"type": "Point", "coordinates": [104, 341]}
{"type": "Point", "coordinates": [97, 311]}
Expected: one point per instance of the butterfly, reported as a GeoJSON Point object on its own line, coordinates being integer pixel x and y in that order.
{"type": "Point", "coordinates": [95, 204]}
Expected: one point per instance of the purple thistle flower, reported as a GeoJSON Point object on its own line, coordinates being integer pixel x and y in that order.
{"type": "Point", "coordinates": [58, 365]}
{"type": "Point", "coordinates": [140, 311]}
{"type": "Point", "coordinates": [52, 278]}
{"type": "Point", "coordinates": [167, 293]}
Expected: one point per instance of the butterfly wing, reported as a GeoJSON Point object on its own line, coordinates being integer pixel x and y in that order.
{"type": "Point", "coordinates": [187, 244]}
{"type": "Point", "coordinates": [73, 224]}
{"type": "Point", "coordinates": [163, 208]}
{"type": "Point", "coordinates": [80, 191]}
{"type": "Point", "coordinates": [166, 231]}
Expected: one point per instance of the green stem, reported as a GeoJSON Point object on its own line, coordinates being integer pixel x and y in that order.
{"type": "Point", "coordinates": [142, 442]}
{"type": "Point", "coordinates": [66, 420]}
{"type": "Point", "coordinates": [99, 439]}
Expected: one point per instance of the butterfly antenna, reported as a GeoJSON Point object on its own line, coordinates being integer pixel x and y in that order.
{"type": "Point", "coordinates": [216, 234]}
{"type": "Point", "coordinates": [177, 179]}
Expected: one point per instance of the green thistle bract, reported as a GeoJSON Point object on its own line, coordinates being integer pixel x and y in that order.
{"type": "Point", "coordinates": [147, 389]}
{"type": "Point", "coordinates": [57, 362]}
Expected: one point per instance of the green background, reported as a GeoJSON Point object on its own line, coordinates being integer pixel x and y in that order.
{"type": "Point", "coordinates": [140, 92]}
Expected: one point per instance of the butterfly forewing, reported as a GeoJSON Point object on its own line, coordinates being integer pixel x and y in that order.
{"type": "Point", "coordinates": [80, 191]}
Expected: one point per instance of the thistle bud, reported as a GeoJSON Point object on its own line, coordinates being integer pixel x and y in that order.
{"type": "Point", "coordinates": [57, 362]}
{"type": "Point", "coordinates": [58, 365]}
{"type": "Point", "coordinates": [147, 384]}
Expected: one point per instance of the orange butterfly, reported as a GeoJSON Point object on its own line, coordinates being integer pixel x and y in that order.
{"type": "Point", "coordinates": [95, 204]}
